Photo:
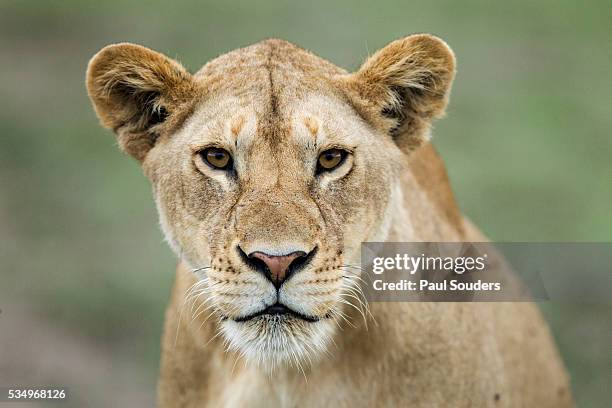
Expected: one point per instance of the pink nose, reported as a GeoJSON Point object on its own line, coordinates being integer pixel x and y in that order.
{"type": "Point", "coordinates": [278, 267]}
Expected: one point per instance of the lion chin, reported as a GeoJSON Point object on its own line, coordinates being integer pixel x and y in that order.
{"type": "Point", "coordinates": [275, 341]}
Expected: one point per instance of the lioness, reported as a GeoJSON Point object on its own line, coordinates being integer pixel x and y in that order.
{"type": "Point", "coordinates": [269, 167]}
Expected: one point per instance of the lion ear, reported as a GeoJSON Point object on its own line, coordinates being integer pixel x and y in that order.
{"type": "Point", "coordinates": [404, 86]}
{"type": "Point", "coordinates": [134, 90]}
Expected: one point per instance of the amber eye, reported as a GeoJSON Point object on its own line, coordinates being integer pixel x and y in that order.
{"type": "Point", "coordinates": [330, 159]}
{"type": "Point", "coordinates": [217, 158]}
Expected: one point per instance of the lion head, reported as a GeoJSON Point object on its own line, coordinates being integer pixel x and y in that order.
{"type": "Point", "coordinates": [269, 167]}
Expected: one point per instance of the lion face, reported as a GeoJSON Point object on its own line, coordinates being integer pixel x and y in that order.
{"type": "Point", "coordinates": [272, 227]}
{"type": "Point", "coordinates": [269, 167]}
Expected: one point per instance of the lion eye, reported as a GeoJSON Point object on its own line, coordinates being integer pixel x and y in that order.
{"type": "Point", "coordinates": [330, 159]}
{"type": "Point", "coordinates": [217, 158]}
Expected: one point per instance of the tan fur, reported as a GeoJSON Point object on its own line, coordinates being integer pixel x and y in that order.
{"type": "Point", "coordinates": [275, 107]}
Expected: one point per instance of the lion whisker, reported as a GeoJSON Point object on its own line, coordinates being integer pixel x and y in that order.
{"type": "Point", "coordinates": [201, 268]}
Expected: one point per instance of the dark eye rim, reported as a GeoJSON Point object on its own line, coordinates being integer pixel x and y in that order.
{"type": "Point", "coordinates": [345, 153]}
{"type": "Point", "coordinates": [204, 153]}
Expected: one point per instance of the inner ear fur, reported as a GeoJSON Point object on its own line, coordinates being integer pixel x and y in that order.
{"type": "Point", "coordinates": [135, 91]}
{"type": "Point", "coordinates": [403, 87]}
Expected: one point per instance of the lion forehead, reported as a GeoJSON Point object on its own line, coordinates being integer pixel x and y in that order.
{"type": "Point", "coordinates": [272, 88]}
{"type": "Point", "coordinates": [311, 121]}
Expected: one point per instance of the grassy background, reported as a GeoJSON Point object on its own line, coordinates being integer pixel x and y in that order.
{"type": "Point", "coordinates": [527, 143]}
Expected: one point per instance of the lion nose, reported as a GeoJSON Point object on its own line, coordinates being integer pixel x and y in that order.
{"type": "Point", "coordinates": [278, 268]}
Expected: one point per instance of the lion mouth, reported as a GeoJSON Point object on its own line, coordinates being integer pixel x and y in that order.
{"type": "Point", "coordinates": [277, 309]}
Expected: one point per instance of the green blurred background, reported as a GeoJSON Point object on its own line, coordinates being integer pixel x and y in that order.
{"type": "Point", "coordinates": [84, 271]}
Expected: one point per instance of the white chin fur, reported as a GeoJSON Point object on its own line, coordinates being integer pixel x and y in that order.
{"type": "Point", "coordinates": [277, 341]}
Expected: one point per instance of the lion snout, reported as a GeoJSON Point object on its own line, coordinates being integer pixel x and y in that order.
{"type": "Point", "coordinates": [274, 265]}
